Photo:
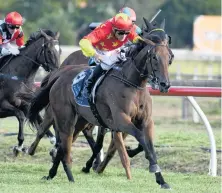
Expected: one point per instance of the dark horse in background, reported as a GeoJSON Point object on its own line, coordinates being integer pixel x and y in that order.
{"type": "Point", "coordinates": [125, 107]}
{"type": "Point", "coordinates": [17, 74]}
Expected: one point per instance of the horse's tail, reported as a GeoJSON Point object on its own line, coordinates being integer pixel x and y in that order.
{"type": "Point", "coordinates": [40, 101]}
{"type": "Point", "coordinates": [45, 80]}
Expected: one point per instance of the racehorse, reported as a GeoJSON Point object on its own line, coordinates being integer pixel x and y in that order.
{"type": "Point", "coordinates": [125, 107]}
{"type": "Point", "coordinates": [77, 58]}
{"type": "Point", "coordinates": [17, 75]}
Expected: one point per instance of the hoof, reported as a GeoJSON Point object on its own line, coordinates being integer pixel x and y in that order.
{"type": "Point", "coordinates": [85, 170]}
{"type": "Point", "coordinates": [165, 186]}
{"type": "Point", "coordinates": [130, 153]}
{"type": "Point", "coordinates": [94, 167]}
{"type": "Point", "coordinates": [99, 170]}
{"type": "Point", "coordinates": [15, 151]}
{"type": "Point", "coordinates": [30, 151]}
{"type": "Point", "coordinates": [72, 181]}
{"type": "Point", "coordinates": [154, 168]}
{"type": "Point", "coordinates": [46, 178]}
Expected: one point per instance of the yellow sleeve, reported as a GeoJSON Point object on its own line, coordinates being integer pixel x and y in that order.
{"type": "Point", "coordinates": [87, 48]}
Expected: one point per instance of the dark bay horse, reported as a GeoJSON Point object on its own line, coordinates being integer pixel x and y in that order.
{"type": "Point", "coordinates": [17, 74]}
{"type": "Point", "coordinates": [77, 58]}
{"type": "Point", "coordinates": [158, 35]}
{"type": "Point", "coordinates": [123, 107]}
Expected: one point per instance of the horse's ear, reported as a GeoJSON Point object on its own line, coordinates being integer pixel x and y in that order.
{"type": "Point", "coordinates": [57, 35]}
{"type": "Point", "coordinates": [162, 25]}
{"type": "Point", "coordinates": [148, 24]}
{"type": "Point", "coordinates": [44, 34]}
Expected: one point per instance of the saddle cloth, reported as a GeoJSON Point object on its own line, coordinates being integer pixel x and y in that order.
{"type": "Point", "coordinates": [79, 90]}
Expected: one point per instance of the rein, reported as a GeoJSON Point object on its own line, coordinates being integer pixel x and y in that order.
{"type": "Point", "coordinates": [29, 58]}
{"type": "Point", "coordinates": [150, 67]}
{"type": "Point", "coordinates": [127, 82]}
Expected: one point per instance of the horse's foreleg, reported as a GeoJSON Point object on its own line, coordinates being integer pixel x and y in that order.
{"type": "Point", "coordinates": [124, 124]}
{"type": "Point", "coordinates": [119, 143]}
{"type": "Point", "coordinates": [151, 154]}
{"type": "Point", "coordinates": [9, 108]}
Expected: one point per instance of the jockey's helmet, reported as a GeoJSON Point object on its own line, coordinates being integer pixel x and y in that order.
{"type": "Point", "coordinates": [14, 19]}
{"type": "Point", "coordinates": [130, 12]}
{"type": "Point", "coordinates": [122, 22]}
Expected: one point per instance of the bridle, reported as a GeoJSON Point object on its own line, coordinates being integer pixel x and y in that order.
{"type": "Point", "coordinates": [148, 61]}
{"type": "Point", "coordinates": [44, 64]}
{"type": "Point", "coordinates": [148, 49]}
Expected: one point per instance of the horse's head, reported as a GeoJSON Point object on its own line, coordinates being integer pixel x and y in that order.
{"type": "Point", "coordinates": [151, 58]}
{"type": "Point", "coordinates": [48, 50]}
{"type": "Point", "coordinates": [158, 36]}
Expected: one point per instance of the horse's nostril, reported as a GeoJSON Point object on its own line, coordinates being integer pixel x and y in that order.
{"type": "Point", "coordinates": [163, 84]}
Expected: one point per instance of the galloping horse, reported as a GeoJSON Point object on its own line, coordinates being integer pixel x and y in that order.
{"type": "Point", "coordinates": [117, 140]}
{"type": "Point", "coordinates": [17, 75]}
{"type": "Point", "coordinates": [122, 102]}
{"type": "Point", "coordinates": [77, 58]}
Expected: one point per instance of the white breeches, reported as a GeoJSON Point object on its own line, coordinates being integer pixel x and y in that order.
{"type": "Point", "coordinates": [108, 58]}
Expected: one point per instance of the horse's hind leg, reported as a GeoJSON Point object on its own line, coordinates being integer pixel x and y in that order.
{"type": "Point", "coordinates": [96, 149]}
{"type": "Point", "coordinates": [43, 128]}
{"type": "Point", "coordinates": [88, 133]}
{"type": "Point", "coordinates": [65, 119]}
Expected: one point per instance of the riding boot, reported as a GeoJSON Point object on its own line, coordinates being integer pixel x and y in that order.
{"type": "Point", "coordinates": [93, 77]}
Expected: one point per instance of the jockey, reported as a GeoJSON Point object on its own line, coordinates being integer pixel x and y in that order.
{"type": "Point", "coordinates": [131, 13]}
{"type": "Point", "coordinates": [103, 43]}
{"type": "Point", "coordinates": [11, 30]}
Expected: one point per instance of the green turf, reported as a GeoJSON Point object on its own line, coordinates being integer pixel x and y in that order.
{"type": "Point", "coordinates": [178, 144]}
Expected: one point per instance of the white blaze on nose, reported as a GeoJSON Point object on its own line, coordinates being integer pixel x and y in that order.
{"type": "Point", "coordinates": [57, 48]}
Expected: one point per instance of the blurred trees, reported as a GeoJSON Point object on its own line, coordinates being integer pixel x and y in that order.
{"type": "Point", "coordinates": [70, 17]}
{"type": "Point", "coordinates": [180, 16]}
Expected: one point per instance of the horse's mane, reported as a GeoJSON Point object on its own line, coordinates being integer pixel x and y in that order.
{"type": "Point", "coordinates": [134, 49]}
{"type": "Point", "coordinates": [36, 35]}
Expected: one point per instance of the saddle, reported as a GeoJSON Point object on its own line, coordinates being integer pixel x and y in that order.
{"type": "Point", "coordinates": [81, 95]}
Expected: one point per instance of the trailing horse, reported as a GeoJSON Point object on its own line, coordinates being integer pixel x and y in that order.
{"type": "Point", "coordinates": [17, 74]}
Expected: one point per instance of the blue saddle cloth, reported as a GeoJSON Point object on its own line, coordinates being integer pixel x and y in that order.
{"type": "Point", "coordinates": [78, 87]}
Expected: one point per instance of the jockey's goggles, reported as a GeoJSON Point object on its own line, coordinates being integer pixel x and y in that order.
{"type": "Point", "coordinates": [13, 26]}
{"type": "Point", "coordinates": [121, 32]}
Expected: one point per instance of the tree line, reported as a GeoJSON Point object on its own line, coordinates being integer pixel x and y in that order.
{"type": "Point", "coordinates": [71, 17]}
